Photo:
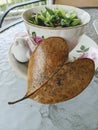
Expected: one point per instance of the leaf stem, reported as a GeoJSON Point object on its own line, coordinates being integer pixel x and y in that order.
{"type": "Point", "coordinates": [25, 97]}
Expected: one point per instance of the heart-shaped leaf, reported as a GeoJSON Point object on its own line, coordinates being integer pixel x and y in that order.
{"type": "Point", "coordinates": [50, 54]}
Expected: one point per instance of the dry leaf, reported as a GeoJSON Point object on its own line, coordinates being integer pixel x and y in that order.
{"type": "Point", "coordinates": [51, 54]}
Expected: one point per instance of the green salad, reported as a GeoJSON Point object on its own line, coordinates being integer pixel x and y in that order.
{"type": "Point", "coordinates": [56, 17]}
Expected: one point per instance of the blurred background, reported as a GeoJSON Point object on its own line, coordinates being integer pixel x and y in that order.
{"type": "Point", "coordinates": [15, 14]}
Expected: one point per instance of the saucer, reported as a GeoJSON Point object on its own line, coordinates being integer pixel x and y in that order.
{"type": "Point", "coordinates": [86, 48]}
{"type": "Point", "coordinates": [95, 24]}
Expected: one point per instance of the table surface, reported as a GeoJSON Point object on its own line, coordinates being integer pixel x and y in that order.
{"type": "Point", "coordinates": [29, 115]}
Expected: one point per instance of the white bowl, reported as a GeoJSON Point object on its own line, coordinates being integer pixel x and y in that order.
{"type": "Point", "coordinates": [70, 34]}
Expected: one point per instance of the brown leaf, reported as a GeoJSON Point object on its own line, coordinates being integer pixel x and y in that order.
{"type": "Point", "coordinates": [48, 57]}
{"type": "Point", "coordinates": [50, 79]}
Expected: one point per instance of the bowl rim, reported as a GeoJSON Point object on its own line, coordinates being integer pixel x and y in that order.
{"type": "Point", "coordinates": [55, 28]}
